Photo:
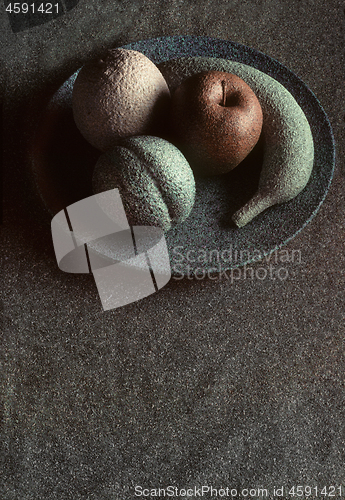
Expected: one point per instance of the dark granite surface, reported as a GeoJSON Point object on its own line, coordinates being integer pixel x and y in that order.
{"type": "Point", "coordinates": [237, 382]}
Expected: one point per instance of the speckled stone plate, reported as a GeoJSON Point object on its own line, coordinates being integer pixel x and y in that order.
{"type": "Point", "coordinates": [63, 164]}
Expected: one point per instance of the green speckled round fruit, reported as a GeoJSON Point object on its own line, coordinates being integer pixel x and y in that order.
{"type": "Point", "coordinates": [155, 181]}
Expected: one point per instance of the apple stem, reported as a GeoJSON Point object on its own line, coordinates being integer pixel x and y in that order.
{"type": "Point", "coordinates": [224, 92]}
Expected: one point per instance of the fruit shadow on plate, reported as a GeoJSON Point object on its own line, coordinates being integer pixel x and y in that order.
{"type": "Point", "coordinates": [223, 195]}
{"type": "Point", "coordinates": [63, 161]}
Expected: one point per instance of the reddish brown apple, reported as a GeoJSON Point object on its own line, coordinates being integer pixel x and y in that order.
{"type": "Point", "coordinates": [216, 121]}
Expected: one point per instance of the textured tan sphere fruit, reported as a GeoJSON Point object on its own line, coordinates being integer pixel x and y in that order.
{"type": "Point", "coordinates": [120, 95]}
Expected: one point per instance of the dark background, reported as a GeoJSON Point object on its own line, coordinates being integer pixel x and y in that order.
{"type": "Point", "coordinates": [206, 382]}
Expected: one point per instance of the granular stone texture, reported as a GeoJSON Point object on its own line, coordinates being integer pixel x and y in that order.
{"type": "Point", "coordinates": [155, 180]}
{"type": "Point", "coordinates": [224, 383]}
{"type": "Point", "coordinates": [288, 142]}
{"type": "Point", "coordinates": [123, 94]}
{"type": "Point", "coordinates": [217, 120]}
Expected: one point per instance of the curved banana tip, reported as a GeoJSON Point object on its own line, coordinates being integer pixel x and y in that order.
{"type": "Point", "coordinates": [254, 207]}
{"type": "Point", "coordinates": [237, 218]}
